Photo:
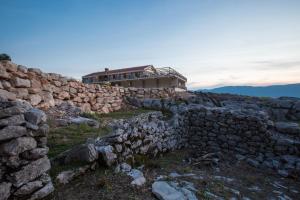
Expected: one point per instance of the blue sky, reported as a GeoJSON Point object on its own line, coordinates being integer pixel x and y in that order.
{"type": "Point", "coordinates": [213, 43]}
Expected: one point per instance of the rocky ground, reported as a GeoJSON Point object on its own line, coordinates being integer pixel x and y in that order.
{"type": "Point", "coordinates": [232, 179]}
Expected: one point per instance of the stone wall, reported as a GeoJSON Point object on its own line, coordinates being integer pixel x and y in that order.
{"type": "Point", "coordinates": [44, 90]}
{"type": "Point", "coordinates": [279, 109]}
{"type": "Point", "coordinates": [249, 134]}
{"type": "Point", "coordinates": [147, 134]}
{"type": "Point", "coordinates": [23, 161]}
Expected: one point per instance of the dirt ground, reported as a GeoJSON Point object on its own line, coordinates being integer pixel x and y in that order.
{"type": "Point", "coordinates": [229, 180]}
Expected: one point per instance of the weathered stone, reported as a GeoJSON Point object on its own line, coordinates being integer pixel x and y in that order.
{"type": "Point", "coordinates": [3, 73]}
{"type": "Point", "coordinates": [163, 191]}
{"type": "Point", "coordinates": [83, 120]}
{"type": "Point", "coordinates": [7, 95]}
{"type": "Point", "coordinates": [19, 82]}
{"type": "Point", "coordinates": [10, 132]}
{"type": "Point", "coordinates": [14, 110]}
{"type": "Point", "coordinates": [30, 172]}
{"type": "Point", "coordinates": [65, 176]}
{"type": "Point", "coordinates": [18, 145]}
{"type": "Point", "coordinates": [22, 93]}
{"type": "Point", "coordinates": [13, 120]}
{"type": "Point", "coordinates": [28, 188]}
{"type": "Point", "coordinates": [45, 191]}
{"type": "Point", "coordinates": [35, 99]}
{"type": "Point", "coordinates": [107, 154]}
{"type": "Point", "coordinates": [82, 153]}
{"type": "Point", "coordinates": [35, 116]}
{"type": "Point", "coordinates": [288, 128]}
{"type": "Point", "coordinates": [42, 130]}
{"type": "Point", "coordinates": [35, 153]}
{"type": "Point", "coordinates": [4, 190]}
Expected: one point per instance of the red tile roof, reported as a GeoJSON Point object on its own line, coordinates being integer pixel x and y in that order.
{"type": "Point", "coordinates": [118, 71]}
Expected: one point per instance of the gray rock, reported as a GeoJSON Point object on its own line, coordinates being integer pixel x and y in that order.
{"type": "Point", "coordinates": [18, 145]}
{"type": "Point", "coordinates": [15, 120]}
{"type": "Point", "coordinates": [35, 153]}
{"type": "Point", "coordinates": [35, 116]}
{"type": "Point", "coordinates": [42, 130]}
{"type": "Point", "coordinates": [252, 162]}
{"type": "Point", "coordinates": [107, 154]}
{"type": "Point", "coordinates": [65, 176]}
{"type": "Point", "coordinates": [163, 191]}
{"type": "Point", "coordinates": [173, 191]}
{"type": "Point", "coordinates": [297, 106]}
{"type": "Point", "coordinates": [288, 128]}
{"type": "Point", "coordinates": [45, 191]}
{"type": "Point", "coordinates": [283, 173]}
{"type": "Point", "coordinates": [7, 95]}
{"type": "Point", "coordinates": [19, 82]}
{"type": "Point", "coordinates": [14, 110]}
{"type": "Point", "coordinates": [30, 172]}
{"type": "Point", "coordinates": [10, 132]}
{"type": "Point", "coordinates": [82, 153]}
{"type": "Point", "coordinates": [28, 188]}
{"type": "Point", "coordinates": [4, 190]}
{"type": "Point", "coordinates": [83, 120]}
{"type": "Point", "coordinates": [138, 177]}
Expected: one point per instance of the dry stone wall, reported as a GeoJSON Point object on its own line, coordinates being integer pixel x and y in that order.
{"type": "Point", "coordinates": [279, 109]}
{"type": "Point", "coordinates": [249, 134]}
{"type": "Point", "coordinates": [147, 134]}
{"type": "Point", "coordinates": [44, 90]}
{"type": "Point", "coordinates": [23, 152]}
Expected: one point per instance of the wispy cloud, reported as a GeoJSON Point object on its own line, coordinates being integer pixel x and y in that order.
{"type": "Point", "coordinates": [273, 64]}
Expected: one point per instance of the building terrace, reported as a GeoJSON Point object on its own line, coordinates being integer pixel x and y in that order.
{"type": "Point", "coordinates": [141, 77]}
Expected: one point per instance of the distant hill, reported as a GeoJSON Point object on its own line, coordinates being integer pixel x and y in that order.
{"type": "Point", "coordinates": [290, 90]}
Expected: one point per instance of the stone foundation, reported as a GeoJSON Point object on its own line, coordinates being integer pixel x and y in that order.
{"type": "Point", "coordinates": [24, 163]}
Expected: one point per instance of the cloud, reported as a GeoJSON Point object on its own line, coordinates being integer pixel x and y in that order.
{"type": "Point", "coordinates": [269, 64]}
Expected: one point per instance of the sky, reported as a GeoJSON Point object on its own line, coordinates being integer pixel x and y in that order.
{"type": "Point", "coordinates": [213, 43]}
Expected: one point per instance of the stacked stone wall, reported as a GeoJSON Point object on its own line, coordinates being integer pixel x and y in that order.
{"type": "Point", "coordinates": [279, 109]}
{"type": "Point", "coordinates": [23, 152]}
{"type": "Point", "coordinates": [245, 133]}
{"type": "Point", "coordinates": [44, 90]}
{"type": "Point", "coordinates": [147, 134]}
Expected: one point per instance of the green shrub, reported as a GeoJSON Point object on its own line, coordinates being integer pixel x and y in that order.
{"type": "Point", "coordinates": [4, 56]}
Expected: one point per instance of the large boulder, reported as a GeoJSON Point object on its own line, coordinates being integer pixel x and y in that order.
{"type": "Point", "coordinates": [83, 153]}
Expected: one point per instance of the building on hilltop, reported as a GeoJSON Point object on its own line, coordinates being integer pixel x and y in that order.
{"type": "Point", "coordinates": [141, 77]}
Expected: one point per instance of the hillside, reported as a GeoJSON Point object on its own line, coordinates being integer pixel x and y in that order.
{"type": "Point", "coordinates": [290, 90]}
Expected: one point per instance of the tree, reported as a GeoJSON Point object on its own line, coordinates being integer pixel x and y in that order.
{"type": "Point", "coordinates": [4, 56]}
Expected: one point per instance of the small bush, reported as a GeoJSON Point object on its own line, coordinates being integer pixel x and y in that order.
{"type": "Point", "coordinates": [4, 56]}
